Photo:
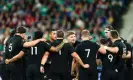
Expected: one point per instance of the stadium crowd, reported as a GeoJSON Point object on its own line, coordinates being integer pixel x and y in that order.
{"type": "Point", "coordinates": [62, 14]}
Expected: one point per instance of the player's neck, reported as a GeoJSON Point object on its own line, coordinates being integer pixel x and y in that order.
{"type": "Point", "coordinates": [113, 40]}
{"type": "Point", "coordinates": [59, 38]}
{"type": "Point", "coordinates": [84, 39]}
{"type": "Point", "coordinates": [51, 40]}
{"type": "Point", "coordinates": [18, 34]}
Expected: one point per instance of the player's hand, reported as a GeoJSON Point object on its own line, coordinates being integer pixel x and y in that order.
{"type": "Point", "coordinates": [42, 69]}
{"type": "Point", "coordinates": [124, 56]}
{"type": "Point", "coordinates": [65, 41]}
{"type": "Point", "coordinates": [72, 73]}
{"type": "Point", "coordinates": [75, 79]}
{"type": "Point", "coordinates": [43, 39]}
{"type": "Point", "coordinates": [86, 66]}
{"type": "Point", "coordinates": [7, 61]}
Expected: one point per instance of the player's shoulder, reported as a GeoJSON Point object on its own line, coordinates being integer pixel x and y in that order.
{"type": "Point", "coordinates": [17, 37]}
{"type": "Point", "coordinates": [54, 42]}
{"type": "Point", "coordinates": [43, 43]}
{"type": "Point", "coordinates": [94, 43]}
{"type": "Point", "coordinates": [117, 42]}
{"type": "Point", "coordinates": [88, 42]}
{"type": "Point", "coordinates": [9, 40]}
{"type": "Point", "coordinates": [68, 44]}
{"type": "Point", "coordinates": [48, 41]}
{"type": "Point", "coordinates": [126, 43]}
{"type": "Point", "coordinates": [78, 42]}
{"type": "Point", "coordinates": [79, 45]}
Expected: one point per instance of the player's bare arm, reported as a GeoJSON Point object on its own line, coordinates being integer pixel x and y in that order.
{"type": "Point", "coordinates": [127, 56]}
{"type": "Point", "coordinates": [15, 58]}
{"type": "Point", "coordinates": [102, 50]}
{"type": "Point", "coordinates": [112, 49]}
{"type": "Point", "coordinates": [57, 48]}
{"type": "Point", "coordinates": [44, 60]}
{"type": "Point", "coordinates": [78, 59]}
{"type": "Point", "coordinates": [33, 43]}
{"type": "Point", "coordinates": [73, 66]}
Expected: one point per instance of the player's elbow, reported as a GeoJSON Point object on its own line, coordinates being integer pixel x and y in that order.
{"type": "Point", "coordinates": [104, 51]}
{"type": "Point", "coordinates": [27, 44]}
{"type": "Point", "coordinates": [75, 56]}
{"type": "Point", "coordinates": [54, 49]}
{"type": "Point", "coordinates": [21, 54]}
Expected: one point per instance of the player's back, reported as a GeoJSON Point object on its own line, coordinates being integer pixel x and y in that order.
{"type": "Point", "coordinates": [108, 60]}
{"type": "Point", "coordinates": [60, 59]}
{"type": "Point", "coordinates": [121, 46]}
{"type": "Point", "coordinates": [36, 53]}
{"type": "Point", "coordinates": [87, 51]}
{"type": "Point", "coordinates": [15, 45]}
{"type": "Point", "coordinates": [6, 51]}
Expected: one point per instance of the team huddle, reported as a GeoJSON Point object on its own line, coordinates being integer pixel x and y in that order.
{"type": "Point", "coordinates": [65, 58]}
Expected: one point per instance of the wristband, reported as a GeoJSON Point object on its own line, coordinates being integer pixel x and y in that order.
{"type": "Point", "coordinates": [42, 65]}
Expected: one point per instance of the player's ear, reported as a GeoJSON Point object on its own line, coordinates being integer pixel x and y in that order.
{"type": "Point", "coordinates": [81, 37]}
{"type": "Point", "coordinates": [110, 37]}
{"type": "Point", "coordinates": [23, 35]}
{"type": "Point", "coordinates": [90, 37]}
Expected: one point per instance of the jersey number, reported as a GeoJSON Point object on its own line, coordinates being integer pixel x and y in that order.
{"type": "Point", "coordinates": [88, 52]}
{"type": "Point", "coordinates": [10, 47]}
{"type": "Point", "coordinates": [110, 57]}
{"type": "Point", "coordinates": [32, 50]}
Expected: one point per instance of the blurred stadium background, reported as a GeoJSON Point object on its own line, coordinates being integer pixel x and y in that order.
{"type": "Point", "coordinates": [66, 15]}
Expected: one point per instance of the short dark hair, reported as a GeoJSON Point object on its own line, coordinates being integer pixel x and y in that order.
{"type": "Point", "coordinates": [109, 27]}
{"type": "Point", "coordinates": [21, 30]}
{"type": "Point", "coordinates": [12, 33]}
{"type": "Point", "coordinates": [38, 34]}
{"type": "Point", "coordinates": [50, 30]}
{"type": "Point", "coordinates": [103, 41]}
{"type": "Point", "coordinates": [60, 34]}
{"type": "Point", "coordinates": [85, 33]}
{"type": "Point", "coordinates": [114, 34]}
